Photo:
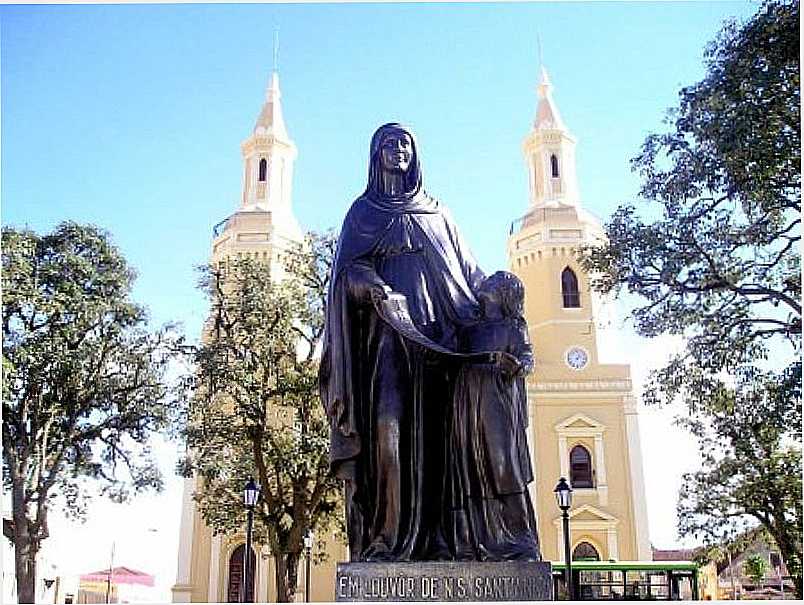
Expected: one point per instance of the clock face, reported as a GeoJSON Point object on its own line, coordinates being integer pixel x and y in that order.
{"type": "Point", "coordinates": [577, 358]}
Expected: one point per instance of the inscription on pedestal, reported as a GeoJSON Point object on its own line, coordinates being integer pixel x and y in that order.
{"type": "Point", "coordinates": [444, 581]}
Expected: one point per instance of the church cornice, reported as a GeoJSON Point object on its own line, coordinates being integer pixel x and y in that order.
{"type": "Point", "coordinates": [544, 136]}
{"type": "Point", "coordinates": [259, 142]}
{"type": "Point", "coordinates": [586, 385]}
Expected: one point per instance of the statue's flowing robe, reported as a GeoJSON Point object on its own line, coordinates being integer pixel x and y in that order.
{"type": "Point", "coordinates": [375, 380]}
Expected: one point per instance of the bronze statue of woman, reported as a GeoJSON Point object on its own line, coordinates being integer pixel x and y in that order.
{"type": "Point", "coordinates": [386, 396]}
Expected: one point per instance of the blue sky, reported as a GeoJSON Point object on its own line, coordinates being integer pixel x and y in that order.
{"type": "Point", "coordinates": [130, 117]}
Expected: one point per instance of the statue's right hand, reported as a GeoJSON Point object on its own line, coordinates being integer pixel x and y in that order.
{"type": "Point", "coordinates": [507, 363]}
{"type": "Point", "coordinates": [379, 292]}
{"type": "Point", "coordinates": [366, 286]}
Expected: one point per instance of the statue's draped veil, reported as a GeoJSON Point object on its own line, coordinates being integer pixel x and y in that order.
{"type": "Point", "coordinates": [414, 196]}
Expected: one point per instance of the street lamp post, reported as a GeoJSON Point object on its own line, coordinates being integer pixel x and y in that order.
{"type": "Point", "coordinates": [564, 498]}
{"type": "Point", "coordinates": [251, 494]}
{"type": "Point", "coordinates": [308, 547]}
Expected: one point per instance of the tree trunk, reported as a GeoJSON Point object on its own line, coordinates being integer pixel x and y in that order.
{"type": "Point", "coordinates": [25, 568]}
{"type": "Point", "coordinates": [790, 550]}
{"type": "Point", "coordinates": [26, 546]}
{"type": "Point", "coordinates": [731, 573]}
{"type": "Point", "coordinates": [287, 576]}
{"type": "Point", "coordinates": [292, 566]}
{"type": "Point", "coordinates": [281, 580]}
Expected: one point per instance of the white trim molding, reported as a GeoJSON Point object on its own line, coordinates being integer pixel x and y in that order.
{"type": "Point", "coordinates": [587, 385]}
{"type": "Point", "coordinates": [604, 522]}
{"type": "Point", "coordinates": [182, 589]}
{"type": "Point", "coordinates": [215, 564]}
{"type": "Point", "coordinates": [534, 462]}
{"type": "Point", "coordinates": [637, 480]}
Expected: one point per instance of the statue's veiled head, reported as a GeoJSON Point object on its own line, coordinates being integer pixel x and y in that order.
{"type": "Point", "coordinates": [394, 155]}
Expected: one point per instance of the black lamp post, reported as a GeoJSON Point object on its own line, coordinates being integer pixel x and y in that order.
{"type": "Point", "coordinates": [308, 547]}
{"type": "Point", "coordinates": [564, 498]}
{"type": "Point", "coordinates": [251, 493]}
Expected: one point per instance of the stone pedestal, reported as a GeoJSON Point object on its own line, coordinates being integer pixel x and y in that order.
{"type": "Point", "coordinates": [444, 581]}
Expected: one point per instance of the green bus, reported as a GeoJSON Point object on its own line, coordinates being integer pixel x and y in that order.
{"type": "Point", "coordinates": [628, 580]}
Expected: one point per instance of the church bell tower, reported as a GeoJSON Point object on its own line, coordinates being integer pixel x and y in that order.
{"type": "Point", "coordinates": [263, 228]}
{"type": "Point", "coordinates": [583, 416]}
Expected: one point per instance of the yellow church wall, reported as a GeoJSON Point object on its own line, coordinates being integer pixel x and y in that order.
{"type": "Point", "coordinates": [211, 557]}
{"type": "Point", "coordinates": [322, 586]}
{"type": "Point", "coordinates": [546, 413]}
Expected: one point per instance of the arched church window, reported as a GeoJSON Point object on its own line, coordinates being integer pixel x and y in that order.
{"type": "Point", "coordinates": [580, 467]}
{"type": "Point", "coordinates": [585, 552]}
{"type": "Point", "coordinates": [263, 170]}
{"type": "Point", "coordinates": [569, 289]}
{"type": "Point", "coordinates": [234, 584]}
{"type": "Point", "coordinates": [554, 166]}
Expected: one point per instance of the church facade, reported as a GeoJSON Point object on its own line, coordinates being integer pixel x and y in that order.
{"type": "Point", "coordinates": [582, 413]}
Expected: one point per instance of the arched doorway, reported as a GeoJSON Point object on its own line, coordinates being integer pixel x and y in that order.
{"type": "Point", "coordinates": [234, 583]}
{"type": "Point", "coordinates": [585, 552]}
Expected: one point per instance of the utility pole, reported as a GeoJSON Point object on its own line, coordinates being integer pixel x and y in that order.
{"type": "Point", "coordinates": [109, 576]}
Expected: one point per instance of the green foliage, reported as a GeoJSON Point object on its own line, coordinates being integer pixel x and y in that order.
{"type": "Point", "coordinates": [755, 568]}
{"type": "Point", "coordinates": [720, 262]}
{"type": "Point", "coordinates": [254, 405]}
{"type": "Point", "coordinates": [715, 258]}
{"type": "Point", "coordinates": [751, 470]}
{"type": "Point", "coordinates": [82, 377]}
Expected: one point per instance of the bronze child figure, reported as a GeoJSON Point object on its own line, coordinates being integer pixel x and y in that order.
{"type": "Point", "coordinates": [491, 516]}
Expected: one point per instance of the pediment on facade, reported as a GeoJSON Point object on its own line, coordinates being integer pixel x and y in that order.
{"type": "Point", "coordinates": [588, 517]}
{"type": "Point", "coordinates": [587, 512]}
{"type": "Point", "coordinates": [579, 421]}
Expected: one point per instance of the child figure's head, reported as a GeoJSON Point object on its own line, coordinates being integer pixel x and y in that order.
{"type": "Point", "coordinates": [502, 290]}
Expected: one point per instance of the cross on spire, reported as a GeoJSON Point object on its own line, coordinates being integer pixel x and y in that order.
{"type": "Point", "coordinates": [276, 49]}
{"type": "Point", "coordinates": [539, 45]}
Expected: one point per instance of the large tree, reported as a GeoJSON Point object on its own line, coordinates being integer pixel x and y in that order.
{"type": "Point", "coordinates": [82, 381]}
{"type": "Point", "coordinates": [254, 407]}
{"type": "Point", "coordinates": [713, 255]}
{"type": "Point", "coordinates": [750, 437]}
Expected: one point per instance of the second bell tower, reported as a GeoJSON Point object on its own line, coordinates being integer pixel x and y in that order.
{"type": "Point", "coordinates": [583, 415]}
{"type": "Point", "coordinates": [268, 156]}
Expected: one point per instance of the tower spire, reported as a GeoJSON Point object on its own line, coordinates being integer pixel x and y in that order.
{"type": "Point", "coordinates": [270, 120]}
{"type": "Point", "coordinates": [549, 150]}
{"type": "Point", "coordinates": [547, 114]}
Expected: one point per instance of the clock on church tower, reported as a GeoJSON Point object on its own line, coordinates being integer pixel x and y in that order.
{"type": "Point", "coordinates": [583, 418]}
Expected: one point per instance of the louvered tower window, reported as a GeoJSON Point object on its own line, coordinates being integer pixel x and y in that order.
{"type": "Point", "coordinates": [554, 166]}
{"type": "Point", "coordinates": [580, 467]}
